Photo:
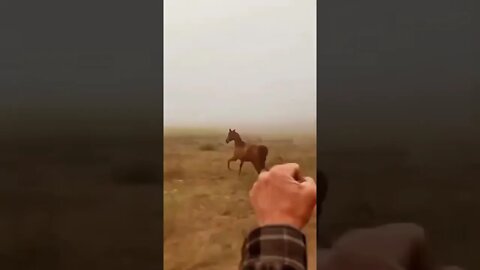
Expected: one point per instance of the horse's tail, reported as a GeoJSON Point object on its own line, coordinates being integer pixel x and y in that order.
{"type": "Point", "coordinates": [262, 158]}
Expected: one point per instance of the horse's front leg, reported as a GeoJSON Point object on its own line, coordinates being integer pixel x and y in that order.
{"type": "Point", "coordinates": [230, 160]}
{"type": "Point", "coordinates": [240, 168]}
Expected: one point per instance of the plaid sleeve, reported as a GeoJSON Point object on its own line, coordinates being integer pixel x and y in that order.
{"type": "Point", "coordinates": [274, 248]}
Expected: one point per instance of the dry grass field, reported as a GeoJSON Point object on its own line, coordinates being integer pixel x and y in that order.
{"type": "Point", "coordinates": [206, 207]}
{"type": "Point", "coordinates": [91, 203]}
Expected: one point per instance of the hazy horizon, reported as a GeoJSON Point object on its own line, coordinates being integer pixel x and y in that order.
{"type": "Point", "coordinates": [280, 129]}
{"type": "Point", "coordinates": [239, 64]}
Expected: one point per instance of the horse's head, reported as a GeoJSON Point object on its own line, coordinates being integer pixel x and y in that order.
{"type": "Point", "coordinates": [232, 135]}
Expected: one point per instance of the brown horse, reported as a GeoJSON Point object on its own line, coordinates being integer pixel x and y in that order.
{"type": "Point", "coordinates": [256, 154]}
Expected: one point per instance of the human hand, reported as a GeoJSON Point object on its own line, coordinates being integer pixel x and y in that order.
{"type": "Point", "coordinates": [281, 196]}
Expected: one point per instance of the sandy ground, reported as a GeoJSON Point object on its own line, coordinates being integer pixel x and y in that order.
{"type": "Point", "coordinates": [207, 212]}
{"type": "Point", "coordinates": [94, 204]}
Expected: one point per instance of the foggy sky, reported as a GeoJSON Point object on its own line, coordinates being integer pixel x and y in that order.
{"type": "Point", "coordinates": [381, 64]}
{"type": "Point", "coordinates": [239, 63]}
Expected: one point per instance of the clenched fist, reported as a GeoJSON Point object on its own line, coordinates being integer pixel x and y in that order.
{"type": "Point", "coordinates": [282, 196]}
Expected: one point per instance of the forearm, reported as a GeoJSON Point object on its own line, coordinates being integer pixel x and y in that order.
{"type": "Point", "coordinates": [274, 247]}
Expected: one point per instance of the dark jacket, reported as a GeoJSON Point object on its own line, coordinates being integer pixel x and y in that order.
{"type": "Point", "coordinates": [274, 248]}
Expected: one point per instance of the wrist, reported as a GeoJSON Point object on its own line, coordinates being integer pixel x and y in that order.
{"type": "Point", "coordinates": [282, 221]}
{"type": "Point", "coordinates": [278, 229]}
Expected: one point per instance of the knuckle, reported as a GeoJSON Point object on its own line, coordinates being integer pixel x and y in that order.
{"type": "Point", "coordinates": [263, 176]}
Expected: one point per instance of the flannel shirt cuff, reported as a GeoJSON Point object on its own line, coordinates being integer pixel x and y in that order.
{"type": "Point", "coordinates": [274, 247]}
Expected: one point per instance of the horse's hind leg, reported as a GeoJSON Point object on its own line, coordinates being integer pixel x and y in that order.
{"type": "Point", "coordinates": [240, 168]}
{"type": "Point", "coordinates": [258, 167]}
{"type": "Point", "coordinates": [230, 160]}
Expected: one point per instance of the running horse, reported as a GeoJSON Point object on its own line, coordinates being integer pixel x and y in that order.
{"type": "Point", "coordinates": [256, 154]}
